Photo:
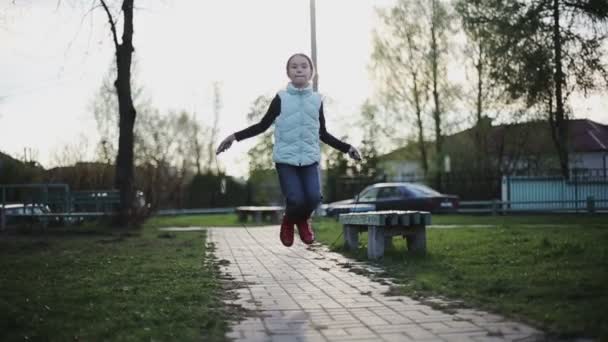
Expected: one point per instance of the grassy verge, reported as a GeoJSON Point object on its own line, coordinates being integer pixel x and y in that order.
{"type": "Point", "coordinates": [553, 277]}
{"type": "Point", "coordinates": [217, 220]}
{"type": "Point", "coordinates": [578, 220]}
{"type": "Point", "coordinates": [99, 285]}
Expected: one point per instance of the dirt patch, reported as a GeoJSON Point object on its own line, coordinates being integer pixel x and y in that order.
{"type": "Point", "coordinates": [392, 291]}
{"type": "Point", "coordinates": [223, 262]}
{"type": "Point", "coordinates": [236, 312]}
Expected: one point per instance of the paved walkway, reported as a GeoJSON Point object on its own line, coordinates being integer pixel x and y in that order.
{"type": "Point", "coordinates": [310, 294]}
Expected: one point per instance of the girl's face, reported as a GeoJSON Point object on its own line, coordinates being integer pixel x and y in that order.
{"type": "Point", "coordinates": [299, 71]}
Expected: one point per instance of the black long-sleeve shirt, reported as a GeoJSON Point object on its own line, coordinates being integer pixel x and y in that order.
{"type": "Point", "coordinates": [273, 112]}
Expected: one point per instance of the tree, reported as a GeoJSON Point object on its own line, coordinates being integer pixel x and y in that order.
{"type": "Point", "coordinates": [217, 107]}
{"type": "Point", "coordinates": [369, 151]}
{"type": "Point", "coordinates": [124, 159]}
{"type": "Point", "coordinates": [484, 91]}
{"type": "Point", "coordinates": [398, 61]}
{"type": "Point", "coordinates": [260, 156]}
{"type": "Point", "coordinates": [70, 154]}
{"type": "Point", "coordinates": [543, 51]}
{"type": "Point", "coordinates": [168, 147]}
{"type": "Point", "coordinates": [262, 181]}
{"type": "Point", "coordinates": [410, 56]}
{"type": "Point", "coordinates": [336, 166]}
{"type": "Point", "coordinates": [104, 107]}
{"type": "Point", "coordinates": [165, 152]}
{"type": "Point", "coordinates": [439, 22]}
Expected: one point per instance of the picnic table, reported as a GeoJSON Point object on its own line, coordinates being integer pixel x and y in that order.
{"type": "Point", "coordinates": [259, 213]}
{"type": "Point", "coordinates": [381, 226]}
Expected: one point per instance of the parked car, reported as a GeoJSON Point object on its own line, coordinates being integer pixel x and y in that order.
{"type": "Point", "coordinates": [17, 213]}
{"type": "Point", "coordinates": [396, 196]}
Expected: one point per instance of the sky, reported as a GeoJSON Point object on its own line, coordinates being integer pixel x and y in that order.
{"type": "Point", "coordinates": [54, 55]}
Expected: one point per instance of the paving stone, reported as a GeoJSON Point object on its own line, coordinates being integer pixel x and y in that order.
{"type": "Point", "coordinates": [304, 294]}
{"type": "Point", "coordinates": [334, 332]}
{"type": "Point", "coordinates": [395, 338]}
{"type": "Point", "coordinates": [463, 336]}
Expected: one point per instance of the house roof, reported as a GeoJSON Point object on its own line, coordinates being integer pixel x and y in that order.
{"type": "Point", "coordinates": [585, 136]}
{"type": "Point", "coordinates": [588, 136]}
{"type": "Point", "coordinates": [409, 151]}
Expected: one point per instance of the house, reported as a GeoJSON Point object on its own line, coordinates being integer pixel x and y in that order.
{"type": "Point", "coordinates": [520, 148]}
{"type": "Point", "coordinates": [589, 145]}
{"type": "Point", "coordinates": [402, 164]}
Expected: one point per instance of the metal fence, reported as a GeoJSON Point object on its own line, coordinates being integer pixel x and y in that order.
{"type": "Point", "coordinates": [495, 207]}
{"type": "Point", "coordinates": [527, 192]}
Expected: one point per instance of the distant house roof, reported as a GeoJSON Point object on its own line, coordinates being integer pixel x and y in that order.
{"type": "Point", "coordinates": [588, 136]}
{"type": "Point", "coordinates": [585, 136]}
{"type": "Point", "coordinates": [408, 152]}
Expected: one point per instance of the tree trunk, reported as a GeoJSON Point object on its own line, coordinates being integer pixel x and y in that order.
{"type": "Point", "coordinates": [124, 160]}
{"type": "Point", "coordinates": [421, 142]}
{"type": "Point", "coordinates": [480, 129]}
{"type": "Point", "coordinates": [560, 125]}
{"type": "Point", "coordinates": [436, 110]}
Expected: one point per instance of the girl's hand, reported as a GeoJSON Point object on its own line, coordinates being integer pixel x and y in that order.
{"type": "Point", "coordinates": [225, 144]}
{"type": "Point", "coordinates": [354, 153]}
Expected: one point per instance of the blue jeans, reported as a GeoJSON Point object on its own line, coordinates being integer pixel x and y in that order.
{"type": "Point", "coordinates": [301, 186]}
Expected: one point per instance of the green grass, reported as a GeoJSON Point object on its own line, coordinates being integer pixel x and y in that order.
{"type": "Point", "coordinates": [98, 285]}
{"type": "Point", "coordinates": [553, 277]}
{"type": "Point", "coordinates": [218, 220]}
{"type": "Point", "coordinates": [551, 271]}
{"type": "Point", "coordinates": [555, 220]}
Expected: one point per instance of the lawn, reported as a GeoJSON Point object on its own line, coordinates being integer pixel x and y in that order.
{"type": "Point", "coordinates": [216, 220]}
{"type": "Point", "coordinates": [93, 284]}
{"type": "Point", "coordinates": [550, 271]}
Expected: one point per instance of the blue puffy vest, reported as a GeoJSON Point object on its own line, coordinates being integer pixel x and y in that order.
{"type": "Point", "coordinates": [296, 133]}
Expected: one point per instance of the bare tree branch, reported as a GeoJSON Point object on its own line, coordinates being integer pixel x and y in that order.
{"type": "Point", "coordinates": [112, 24]}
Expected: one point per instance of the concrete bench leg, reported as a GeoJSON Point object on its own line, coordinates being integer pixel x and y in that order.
{"type": "Point", "coordinates": [278, 217]}
{"type": "Point", "coordinates": [242, 217]}
{"type": "Point", "coordinates": [375, 242]}
{"type": "Point", "coordinates": [258, 217]}
{"type": "Point", "coordinates": [2, 219]}
{"type": "Point", "coordinates": [416, 242]}
{"type": "Point", "coordinates": [351, 237]}
{"type": "Point", "coordinates": [388, 242]}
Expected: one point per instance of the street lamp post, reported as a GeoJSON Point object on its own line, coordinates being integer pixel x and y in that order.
{"type": "Point", "coordinates": [313, 44]}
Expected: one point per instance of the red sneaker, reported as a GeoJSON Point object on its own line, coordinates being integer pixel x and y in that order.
{"type": "Point", "coordinates": [286, 232]}
{"type": "Point", "coordinates": [307, 235]}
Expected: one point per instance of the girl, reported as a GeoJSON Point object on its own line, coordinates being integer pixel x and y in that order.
{"type": "Point", "coordinates": [299, 123]}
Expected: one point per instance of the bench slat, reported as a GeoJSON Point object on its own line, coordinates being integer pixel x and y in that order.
{"type": "Point", "coordinates": [387, 218]}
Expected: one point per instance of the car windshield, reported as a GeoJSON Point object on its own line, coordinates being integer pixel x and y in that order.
{"type": "Point", "coordinates": [422, 190]}
{"type": "Point", "coordinates": [369, 194]}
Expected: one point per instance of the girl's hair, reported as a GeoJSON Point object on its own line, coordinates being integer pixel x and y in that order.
{"type": "Point", "coordinates": [312, 67]}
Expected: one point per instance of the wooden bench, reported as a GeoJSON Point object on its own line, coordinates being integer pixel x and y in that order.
{"type": "Point", "coordinates": [273, 213]}
{"type": "Point", "coordinates": [381, 226]}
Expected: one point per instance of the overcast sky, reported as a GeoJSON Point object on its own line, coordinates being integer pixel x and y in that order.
{"type": "Point", "coordinates": [53, 59]}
